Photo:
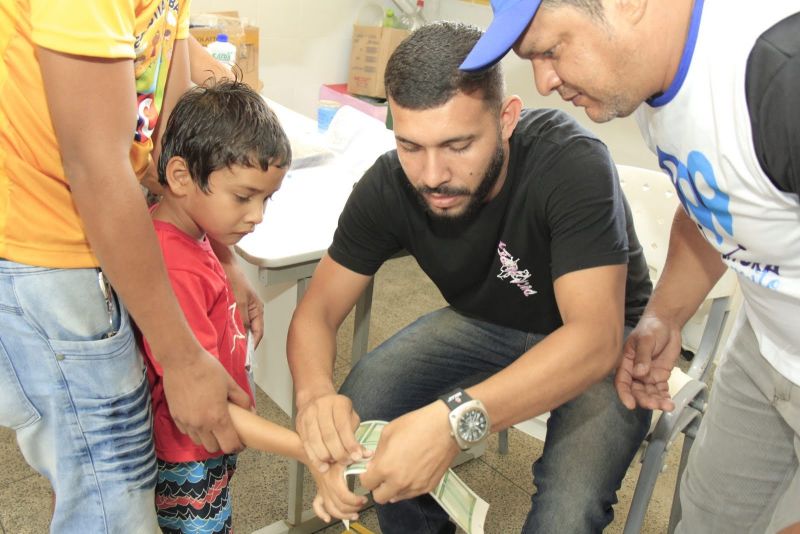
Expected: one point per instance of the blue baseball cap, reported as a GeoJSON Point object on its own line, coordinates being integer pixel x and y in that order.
{"type": "Point", "coordinates": [511, 17]}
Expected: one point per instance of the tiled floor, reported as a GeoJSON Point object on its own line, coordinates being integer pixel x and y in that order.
{"type": "Point", "coordinates": [260, 483]}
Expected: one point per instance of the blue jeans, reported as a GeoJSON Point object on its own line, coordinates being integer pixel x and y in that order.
{"type": "Point", "coordinates": [77, 397]}
{"type": "Point", "coordinates": [591, 440]}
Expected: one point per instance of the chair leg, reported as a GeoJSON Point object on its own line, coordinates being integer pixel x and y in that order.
{"type": "Point", "coordinates": [502, 446]}
{"type": "Point", "coordinates": [710, 340]}
{"type": "Point", "coordinates": [689, 403]}
{"type": "Point", "coordinates": [652, 463]}
{"type": "Point", "coordinates": [688, 441]}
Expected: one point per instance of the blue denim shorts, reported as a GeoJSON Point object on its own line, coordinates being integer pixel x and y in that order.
{"type": "Point", "coordinates": [73, 386]}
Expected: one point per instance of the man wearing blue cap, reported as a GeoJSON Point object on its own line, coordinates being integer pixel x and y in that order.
{"type": "Point", "coordinates": [517, 217]}
{"type": "Point", "coordinates": [715, 89]}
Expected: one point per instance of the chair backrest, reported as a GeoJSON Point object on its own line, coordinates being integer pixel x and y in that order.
{"type": "Point", "coordinates": [653, 203]}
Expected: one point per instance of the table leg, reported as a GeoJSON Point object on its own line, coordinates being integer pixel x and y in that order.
{"type": "Point", "coordinates": [297, 521]}
{"type": "Point", "coordinates": [361, 324]}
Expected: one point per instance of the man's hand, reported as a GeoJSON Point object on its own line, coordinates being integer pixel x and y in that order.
{"type": "Point", "coordinates": [413, 454]}
{"type": "Point", "coordinates": [333, 498]}
{"type": "Point", "coordinates": [327, 427]}
{"type": "Point", "coordinates": [197, 394]}
{"type": "Point", "coordinates": [250, 306]}
{"type": "Point", "coordinates": [647, 361]}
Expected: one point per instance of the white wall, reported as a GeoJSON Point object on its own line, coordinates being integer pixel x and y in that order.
{"type": "Point", "coordinates": [305, 43]}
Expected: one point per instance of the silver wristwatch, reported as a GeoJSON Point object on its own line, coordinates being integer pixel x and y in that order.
{"type": "Point", "coordinates": [469, 422]}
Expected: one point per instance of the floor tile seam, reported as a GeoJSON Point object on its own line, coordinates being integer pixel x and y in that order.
{"type": "Point", "coordinates": [14, 481]}
{"type": "Point", "coordinates": [526, 491]}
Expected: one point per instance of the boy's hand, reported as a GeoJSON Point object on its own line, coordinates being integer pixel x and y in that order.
{"type": "Point", "coordinates": [197, 391]}
{"type": "Point", "coordinates": [333, 498]}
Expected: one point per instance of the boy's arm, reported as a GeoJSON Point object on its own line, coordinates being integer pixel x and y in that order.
{"type": "Point", "coordinates": [333, 496]}
{"type": "Point", "coordinates": [95, 142]}
{"type": "Point", "coordinates": [259, 433]}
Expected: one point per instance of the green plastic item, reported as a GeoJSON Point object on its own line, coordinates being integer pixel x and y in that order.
{"type": "Point", "coordinates": [389, 20]}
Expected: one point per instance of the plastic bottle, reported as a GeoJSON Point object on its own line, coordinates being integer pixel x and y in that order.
{"type": "Point", "coordinates": [222, 50]}
{"type": "Point", "coordinates": [389, 20]}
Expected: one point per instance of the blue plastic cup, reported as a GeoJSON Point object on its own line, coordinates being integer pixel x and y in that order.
{"type": "Point", "coordinates": [325, 112]}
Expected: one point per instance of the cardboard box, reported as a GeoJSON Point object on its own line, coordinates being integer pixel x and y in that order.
{"type": "Point", "coordinates": [205, 27]}
{"type": "Point", "coordinates": [372, 46]}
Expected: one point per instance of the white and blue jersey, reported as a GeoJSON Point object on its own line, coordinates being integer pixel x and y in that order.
{"type": "Point", "coordinates": [727, 132]}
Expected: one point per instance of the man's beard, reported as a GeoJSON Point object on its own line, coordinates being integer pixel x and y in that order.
{"type": "Point", "coordinates": [476, 198]}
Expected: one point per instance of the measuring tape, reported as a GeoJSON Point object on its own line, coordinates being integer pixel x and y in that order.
{"type": "Point", "coordinates": [357, 528]}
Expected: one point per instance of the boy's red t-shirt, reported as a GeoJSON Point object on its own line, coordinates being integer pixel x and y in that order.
{"type": "Point", "coordinates": [207, 300]}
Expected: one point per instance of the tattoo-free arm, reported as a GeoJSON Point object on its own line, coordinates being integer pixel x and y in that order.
{"type": "Point", "coordinates": [92, 104]}
{"type": "Point", "coordinates": [691, 269]}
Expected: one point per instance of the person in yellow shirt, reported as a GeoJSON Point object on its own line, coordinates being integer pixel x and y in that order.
{"type": "Point", "coordinates": [85, 88]}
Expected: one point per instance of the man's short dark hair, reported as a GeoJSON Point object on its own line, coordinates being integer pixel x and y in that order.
{"type": "Point", "coordinates": [423, 72]}
{"type": "Point", "coordinates": [219, 125]}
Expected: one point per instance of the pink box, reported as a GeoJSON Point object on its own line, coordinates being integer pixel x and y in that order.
{"type": "Point", "coordinates": [338, 93]}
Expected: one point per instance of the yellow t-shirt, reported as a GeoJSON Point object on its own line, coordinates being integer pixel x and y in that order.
{"type": "Point", "coordinates": [39, 224]}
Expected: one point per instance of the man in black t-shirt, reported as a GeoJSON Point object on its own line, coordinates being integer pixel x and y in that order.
{"type": "Point", "coordinates": [517, 217]}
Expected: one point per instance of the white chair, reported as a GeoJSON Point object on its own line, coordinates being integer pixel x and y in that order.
{"type": "Point", "coordinates": [653, 202]}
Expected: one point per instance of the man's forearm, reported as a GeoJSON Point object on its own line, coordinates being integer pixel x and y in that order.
{"type": "Point", "coordinates": [555, 370]}
{"type": "Point", "coordinates": [311, 351]}
{"type": "Point", "coordinates": [203, 65]}
{"type": "Point", "coordinates": [692, 268]}
{"type": "Point", "coordinates": [95, 151]}
{"type": "Point", "coordinates": [568, 360]}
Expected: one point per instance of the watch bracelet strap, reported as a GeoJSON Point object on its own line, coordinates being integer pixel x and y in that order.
{"type": "Point", "coordinates": [455, 398]}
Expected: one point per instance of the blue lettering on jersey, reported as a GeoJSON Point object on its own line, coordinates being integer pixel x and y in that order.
{"type": "Point", "coordinates": [712, 213]}
{"type": "Point", "coordinates": [704, 209]}
{"type": "Point", "coordinates": [768, 275]}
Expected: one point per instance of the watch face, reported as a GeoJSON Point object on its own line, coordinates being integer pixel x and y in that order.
{"type": "Point", "coordinates": [472, 425]}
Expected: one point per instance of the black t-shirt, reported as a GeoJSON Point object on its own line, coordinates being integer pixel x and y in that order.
{"type": "Point", "coordinates": [772, 85]}
{"type": "Point", "coordinates": [560, 210]}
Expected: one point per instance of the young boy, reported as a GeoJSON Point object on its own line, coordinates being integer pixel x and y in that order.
{"type": "Point", "coordinates": [224, 154]}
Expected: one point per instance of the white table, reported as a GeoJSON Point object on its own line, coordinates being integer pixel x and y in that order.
{"type": "Point", "coordinates": [298, 228]}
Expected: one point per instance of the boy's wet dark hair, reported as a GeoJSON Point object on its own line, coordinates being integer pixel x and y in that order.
{"type": "Point", "coordinates": [423, 72]}
{"type": "Point", "coordinates": [219, 125]}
